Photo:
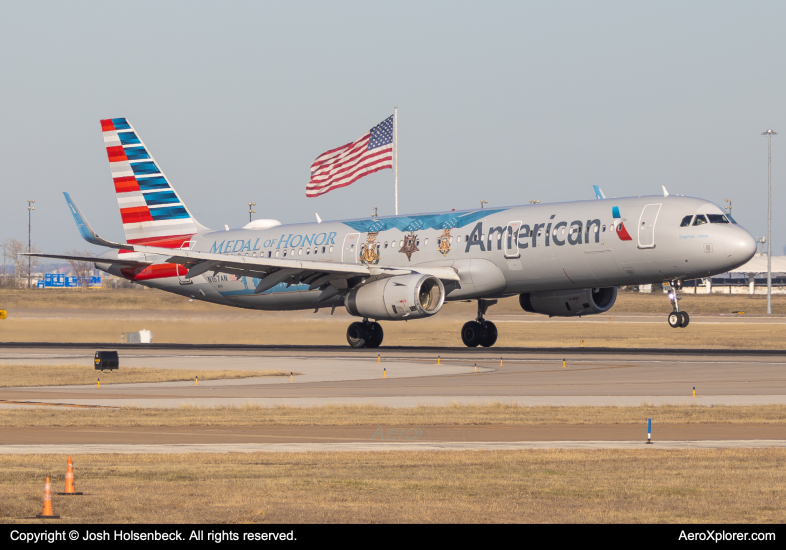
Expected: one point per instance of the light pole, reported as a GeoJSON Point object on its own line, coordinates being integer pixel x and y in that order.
{"type": "Point", "coordinates": [534, 202]}
{"type": "Point", "coordinates": [483, 202]}
{"type": "Point", "coordinates": [250, 211]}
{"type": "Point", "coordinates": [30, 209]}
{"type": "Point", "coordinates": [728, 207]}
{"type": "Point", "coordinates": [375, 214]}
{"type": "Point", "coordinates": [769, 134]}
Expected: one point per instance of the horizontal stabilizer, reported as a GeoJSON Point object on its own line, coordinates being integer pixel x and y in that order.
{"type": "Point", "coordinates": [93, 259]}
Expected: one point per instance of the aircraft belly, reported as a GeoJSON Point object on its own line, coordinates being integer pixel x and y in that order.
{"type": "Point", "coordinates": [479, 278]}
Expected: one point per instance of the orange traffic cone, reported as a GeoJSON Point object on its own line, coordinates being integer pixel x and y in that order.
{"type": "Point", "coordinates": [47, 513]}
{"type": "Point", "coordinates": [69, 484]}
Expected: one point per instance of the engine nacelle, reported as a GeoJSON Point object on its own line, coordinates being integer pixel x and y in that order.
{"type": "Point", "coordinates": [569, 303]}
{"type": "Point", "coordinates": [395, 298]}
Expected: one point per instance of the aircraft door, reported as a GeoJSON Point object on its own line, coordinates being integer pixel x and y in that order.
{"type": "Point", "coordinates": [511, 237]}
{"type": "Point", "coordinates": [181, 271]}
{"type": "Point", "coordinates": [647, 225]}
{"type": "Point", "coordinates": [350, 252]}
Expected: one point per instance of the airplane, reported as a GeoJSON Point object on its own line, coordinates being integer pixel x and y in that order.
{"type": "Point", "coordinates": [561, 259]}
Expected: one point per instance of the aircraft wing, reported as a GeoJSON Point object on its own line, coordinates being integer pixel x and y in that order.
{"type": "Point", "coordinates": [92, 259]}
{"type": "Point", "coordinates": [274, 271]}
{"type": "Point", "coordinates": [330, 277]}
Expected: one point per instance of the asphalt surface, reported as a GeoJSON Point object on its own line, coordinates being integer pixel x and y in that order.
{"type": "Point", "coordinates": [412, 376]}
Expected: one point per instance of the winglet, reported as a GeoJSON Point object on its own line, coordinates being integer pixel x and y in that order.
{"type": "Point", "coordinates": [598, 193]}
{"type": "Point", "coordinates": [665, 193]}
{"type": "Point", "coordinates": [86, 231]}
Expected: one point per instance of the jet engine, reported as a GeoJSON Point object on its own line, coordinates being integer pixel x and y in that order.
{"type": "Point", "coordinates": [403, 297]}
{"type": "Point", "coordinates": [568, 303]}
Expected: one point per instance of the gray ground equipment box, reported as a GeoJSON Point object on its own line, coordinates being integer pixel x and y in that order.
{"type": "Point", "coordinates": [107, 360]}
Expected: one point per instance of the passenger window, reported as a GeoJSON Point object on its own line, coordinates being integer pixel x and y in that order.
{"type": "Point", "coordinates": [386, 244]}
{"type": "Point", "coordinates": [426, 242]}
{"type": "Point", "coordinates": [270, 252]}
{"type": "Point", "coordinates": [717, 218]}
{"type": "Point", "coordinates": [323, 250]}
{"type": "Point", "coordinates": [700, 220]}
{"type": "Point", "coordinates": [331, 248]}
{"type": "Point", "coordinates": [686, 221]}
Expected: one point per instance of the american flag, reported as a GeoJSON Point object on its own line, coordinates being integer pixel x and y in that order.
{"type": "Point", "coordinates": [339, 167]}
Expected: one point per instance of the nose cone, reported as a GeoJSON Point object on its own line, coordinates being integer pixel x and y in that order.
{"type": "Point", "coordinates": [740, 247]}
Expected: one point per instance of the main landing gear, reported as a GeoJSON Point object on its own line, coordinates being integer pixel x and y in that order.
{"type": "Point", "coordinates": [677, 318]}
{"type": "Point", "coordinates": [480, 332]}
{"type": "Point", "coordinates": [367, 334]}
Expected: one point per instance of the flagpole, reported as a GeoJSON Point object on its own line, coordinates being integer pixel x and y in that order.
{"type": "Point", "coordinates": [395, 146]}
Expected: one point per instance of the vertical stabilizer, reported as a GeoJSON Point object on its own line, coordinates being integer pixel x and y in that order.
{"type": "Point", "coordinates": [151, 209]}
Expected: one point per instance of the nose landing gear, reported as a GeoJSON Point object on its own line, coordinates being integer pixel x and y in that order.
{"type": "Point", "coordinates": [677, 318]}
{"type": "Point", "coordinates": [365, 335]}
{"type": "Point", "coordinates": [480, 332]}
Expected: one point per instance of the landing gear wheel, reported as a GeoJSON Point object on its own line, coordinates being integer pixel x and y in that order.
{"type": "Point", "coordinates": [358, 335]}
{"type": "Point", "coordinates": [375, 335]}
{"type": "Point", "coordinates": [490, 336]}
{"type": "Point", "coordinates": [472, 334]}
{"type": "Point", "coordinates": [685, 319]}
{"type": "Point", "coordinates": [675, 319]}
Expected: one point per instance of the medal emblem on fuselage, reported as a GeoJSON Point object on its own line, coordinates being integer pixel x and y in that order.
{"type": "Point", "coordinates": [368, 250]}
{"type": "Point", "coordinates": [410, 245]}
{"type": "Point", "coordinates": [444, 242]}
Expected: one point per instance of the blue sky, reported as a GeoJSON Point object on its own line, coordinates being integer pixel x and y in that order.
{"type": "Point", "coordinates": [503, 101]}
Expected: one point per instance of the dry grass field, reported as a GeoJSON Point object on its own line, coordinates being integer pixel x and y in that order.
{"type": "Point", "coordinates": [131, 299]}
{"type": "Point", "coordinates": [372, 415]}
{"type": "Point", "coordinates": [436, 331]}
{"type": "Point", "coordinates": [102, 315]}
{"type": "Point", "coordinates": [645, 485]}
{"type": "Point", "coordinates": [66, 375]}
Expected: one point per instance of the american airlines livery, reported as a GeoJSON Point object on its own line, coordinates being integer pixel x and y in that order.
{"type": "Point", "coordinates": [562, 259]}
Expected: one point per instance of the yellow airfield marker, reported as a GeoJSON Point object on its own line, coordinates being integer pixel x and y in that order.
{"type": "Point", "coordinates": [476, 367]}
{"type": "Point", "coordinates": [437, 359]}
{"type": "Point", "coordinates": [290, 376]}
{"type": "Point", "coordinates": [99, 383]}
{"type": "Point", "coordinates": [563, 363]}
{"type": "Point", "coordinates": [694, 391]}
{"type": "Point", "coordinates": [379, 358]}
{"type": "Point", "coordinates": [196, 380]}
{"type": "Point", "coordinates": [384, 373]}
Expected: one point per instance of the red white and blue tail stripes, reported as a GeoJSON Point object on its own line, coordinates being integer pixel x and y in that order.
{"type": "Point", "coordinates": [151, 209]}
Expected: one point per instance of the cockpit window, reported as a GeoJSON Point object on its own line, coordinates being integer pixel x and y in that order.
{"type": "Point", "coordinates": [717, 218]}
{"type": "Point", "coordinates": [686, 221]}
{"type": "Point", "coordinates": [700, 220]}
{"type": "Point", "coordinates": [732, 220]}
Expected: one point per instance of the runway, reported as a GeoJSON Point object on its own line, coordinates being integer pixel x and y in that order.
{"type": "Point", "coordinates": [411, 376]}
